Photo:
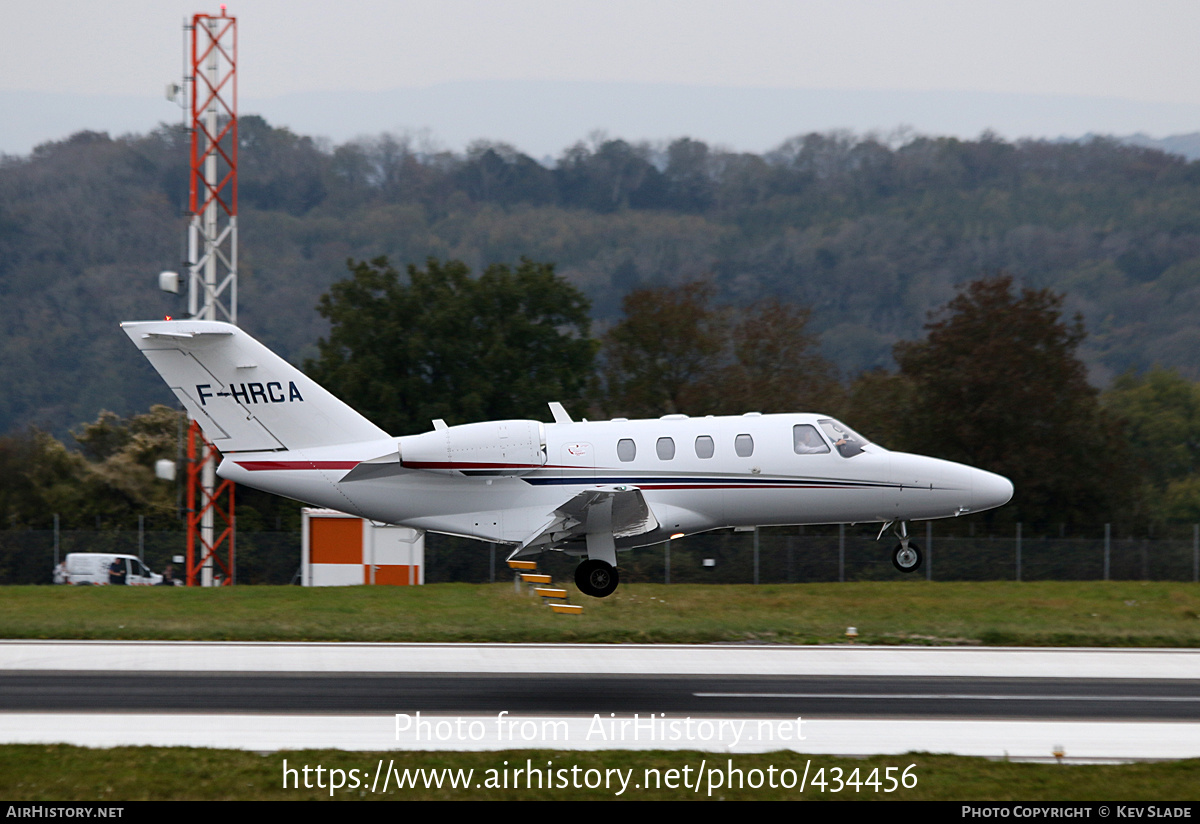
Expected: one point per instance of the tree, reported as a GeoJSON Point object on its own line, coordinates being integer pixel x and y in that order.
{"type": "Point", "coordinates": [1161, 415]}
{"type": "Point", "coordinates": [110, 482]}
{"type": "Point", "coordinates": [279, 170]}
{"type": "Point", "coordinates": [610, 177]}
{"type": "Point", "coordinates": [675, 352]}
{"type": "Point", "coordinates": [777, 363]}
{"type": "Point", "coordinates": [871, 403]}
{"type": "Point", "coordinates": [689, 178]}
{"type": "Point", "coordinates": [447, 345]}
{"type": "Point", "coordinates": [662, 357]}
{"type": "Point", "coordinates": [38, 478]}
{"type": "Point", "coordinates": [498, 173]}
{"type": "Point", "coordinates": [996, 384]}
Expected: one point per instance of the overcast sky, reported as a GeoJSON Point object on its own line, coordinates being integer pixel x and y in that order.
{"type": "Point", "coordinates": [1140, 51]}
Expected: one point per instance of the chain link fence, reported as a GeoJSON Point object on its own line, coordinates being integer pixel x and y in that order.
{"type": "Point", "coordinates": [775, 555]}
{"type": "Point", "coordinates": [793, 555]}
{"type": "Point", "coordinates": [28, 557]}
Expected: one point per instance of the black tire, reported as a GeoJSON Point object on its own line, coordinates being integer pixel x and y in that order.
{"type": "Point", "coordinates": [907, 561]}
{"type": "Point", "coordinates": [596, 578]}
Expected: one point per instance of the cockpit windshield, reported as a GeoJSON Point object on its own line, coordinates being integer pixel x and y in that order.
{"type": "Point", "coordinates": [847, 442]}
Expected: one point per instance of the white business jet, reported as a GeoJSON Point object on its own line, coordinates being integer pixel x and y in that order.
{"type": "Point", "coordinates": [582, 487]}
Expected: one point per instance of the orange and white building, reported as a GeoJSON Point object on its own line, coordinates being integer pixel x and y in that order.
{"type": "Point", "coordinates": [344, 550]}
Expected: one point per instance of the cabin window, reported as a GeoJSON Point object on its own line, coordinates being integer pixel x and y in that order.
{"type": "Point", "coordinates": [626, 450]}
{"type": "Point", "coordinates": [847, 442]}
{"type": "Point", "coordinates": [704, 447]}
{"type": "Point", "coordinates": [807, 441]}
{"type": "Point", "coordinates": [743, 445]}
{"type": "Point", "coordinates": [665, 448]}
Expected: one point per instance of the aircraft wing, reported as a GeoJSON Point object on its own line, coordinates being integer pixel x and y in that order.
{"type": "Point", "coordinates": [617, 511]}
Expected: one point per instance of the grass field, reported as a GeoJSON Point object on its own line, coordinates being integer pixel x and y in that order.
{"type": "Point", "coordinates": [62, 773]}
{"type": "Point", "coordinates": [1055, 613]}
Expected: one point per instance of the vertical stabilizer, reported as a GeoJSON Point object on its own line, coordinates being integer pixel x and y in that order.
{"type": "Point", "coordinates": [244, 396]}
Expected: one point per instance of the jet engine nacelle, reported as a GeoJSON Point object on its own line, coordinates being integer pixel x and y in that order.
{"type": "Point", "coordinates": [490, 448]}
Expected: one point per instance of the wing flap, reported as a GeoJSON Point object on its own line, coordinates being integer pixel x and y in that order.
{"type": "Point", "coordinates": [619, 511]}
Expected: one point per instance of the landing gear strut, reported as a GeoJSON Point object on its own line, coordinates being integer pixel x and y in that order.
{"type": "Point", "coordinates": [906, 557]}
{"type": "Point", "coordinates": [596, 578]}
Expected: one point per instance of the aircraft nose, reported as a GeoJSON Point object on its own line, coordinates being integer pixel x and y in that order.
{"type": "Point", "coordinates": [989, 490]}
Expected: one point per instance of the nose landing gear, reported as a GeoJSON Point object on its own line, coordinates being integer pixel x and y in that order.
{"type": "Point", "coordinates": [906, 557]}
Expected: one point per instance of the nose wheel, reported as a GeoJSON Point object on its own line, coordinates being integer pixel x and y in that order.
{"type": "Point", "coordinates": [906, 557]}
{"type": "Point", "coordinates": [596, 578]}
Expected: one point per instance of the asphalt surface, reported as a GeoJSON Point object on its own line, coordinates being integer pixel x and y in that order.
{"type": "Point", "coordinates": [959, 697]}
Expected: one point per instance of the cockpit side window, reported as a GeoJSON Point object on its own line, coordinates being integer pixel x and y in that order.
{"type": "Point", "coordinates": [807, 441]}
{"type": "Point", "coordinates": [847, 442]}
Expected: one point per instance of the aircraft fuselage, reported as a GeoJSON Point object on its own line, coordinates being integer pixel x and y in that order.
{"type": "Point", "coordinates": [696, 474]}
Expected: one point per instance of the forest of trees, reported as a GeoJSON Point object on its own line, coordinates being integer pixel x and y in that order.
{"type": "Point", "coordinates": [800, 278]}
{"type": "Point", "coordinates": [995, 383]}
{"type": "Point", "coordinates": [869, 235]}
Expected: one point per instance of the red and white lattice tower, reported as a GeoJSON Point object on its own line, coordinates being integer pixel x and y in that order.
{"type": "Point", "coordinates": [212, 270]}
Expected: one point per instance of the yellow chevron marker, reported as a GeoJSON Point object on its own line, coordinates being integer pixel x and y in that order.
{"type": "Point", "coordinates": [550, 592]}
{"type": "Point", "coordinates": [523, 564]}
{"type": "Point", "coordinates": [569, 609]}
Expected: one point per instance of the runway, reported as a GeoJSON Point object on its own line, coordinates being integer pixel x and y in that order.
{"type": "Point", "coordinates": [740, 696]}
{"type": "Point", "coordinates": [1024, 703]}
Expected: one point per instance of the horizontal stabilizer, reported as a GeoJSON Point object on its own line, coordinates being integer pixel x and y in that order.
{"type": "Point", "coordinates": [185, 335]}
{"type": "Point", "coordinates": [386, 466]}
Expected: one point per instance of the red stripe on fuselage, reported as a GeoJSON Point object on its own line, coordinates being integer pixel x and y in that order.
{"type": "Point", "coordinates": [261, 466]}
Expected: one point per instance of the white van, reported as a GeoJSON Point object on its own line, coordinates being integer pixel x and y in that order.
{"type": "Point", "coordinates": [93, 568]}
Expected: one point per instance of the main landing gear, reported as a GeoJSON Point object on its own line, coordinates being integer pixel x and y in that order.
{"type": "Point", "coordinates": [906, 557]}
{"type": "Point", "coordinates": [596, 578]}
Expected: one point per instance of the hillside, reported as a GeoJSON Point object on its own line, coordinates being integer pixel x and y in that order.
{"type": "Point", "coordinates": [871, 235]}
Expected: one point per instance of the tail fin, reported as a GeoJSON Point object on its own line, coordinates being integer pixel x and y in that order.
{"type": "Point", "coordinates": [244, 396]}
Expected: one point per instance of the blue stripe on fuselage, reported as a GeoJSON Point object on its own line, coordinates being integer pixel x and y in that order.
{"type": "Point", "coordinates": [601, 480]}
